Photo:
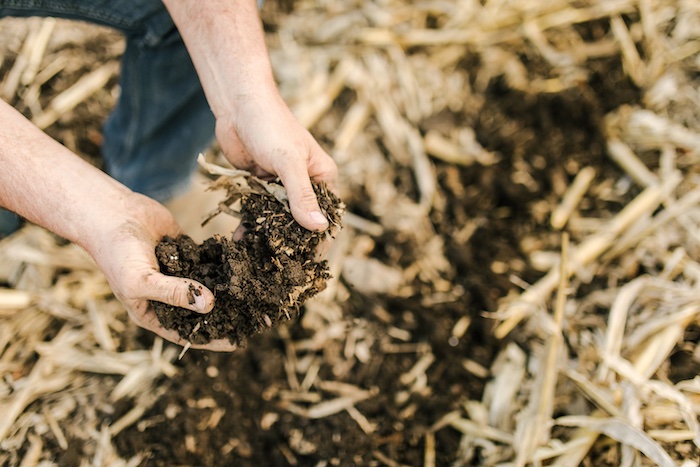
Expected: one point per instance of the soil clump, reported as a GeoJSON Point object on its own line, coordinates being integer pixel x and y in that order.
{"type": "Point", "coordinates": [257, 281]}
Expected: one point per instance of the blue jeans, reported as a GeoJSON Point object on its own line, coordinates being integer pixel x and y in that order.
{"type": "Point", "coordinates": [162, 119]}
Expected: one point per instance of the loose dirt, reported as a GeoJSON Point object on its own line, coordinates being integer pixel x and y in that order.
{"type": "Point", "coordinates": [257, 281]}
{"type": "Point", "coordinates": [565, 131]}
{"type": "Point", "coordinates": [282, 400]}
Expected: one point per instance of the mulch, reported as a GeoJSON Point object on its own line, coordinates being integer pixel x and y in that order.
{"type": "Point", "coordinates": [516, 280]}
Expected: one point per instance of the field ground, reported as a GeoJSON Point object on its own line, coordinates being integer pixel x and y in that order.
{"type": "Point", "coordinates": [517, 281]}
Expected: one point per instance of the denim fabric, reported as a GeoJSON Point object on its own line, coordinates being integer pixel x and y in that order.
{"type": "Point", "coordinates": [162, 119]}
{"type": "Point", "coordinates": [9, 222]}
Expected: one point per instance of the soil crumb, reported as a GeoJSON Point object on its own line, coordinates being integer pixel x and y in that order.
{"type": "Point", "coordinates": [257, 281]}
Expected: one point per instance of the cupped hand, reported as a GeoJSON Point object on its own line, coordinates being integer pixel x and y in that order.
{"type": "Point", "coordinates": [127, 257]}
{"type": "Point", "coordinates": [263, 136]}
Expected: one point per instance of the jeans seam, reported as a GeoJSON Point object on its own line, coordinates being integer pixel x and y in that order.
{"type": "Point", "coordinates": [83, 14]}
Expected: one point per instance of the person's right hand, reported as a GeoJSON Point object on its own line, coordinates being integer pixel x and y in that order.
{"type": "Point", "coordinates": [254, 125]}
{"type": "Point", "coordinates": [263, 136]}
{"type": "Point", "coordinates": [126, 256]}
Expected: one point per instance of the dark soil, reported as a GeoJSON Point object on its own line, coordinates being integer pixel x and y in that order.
{"type": "Point", "coordinates": [257, 281]}
{"type": "Point", "coordinates": [554, 135]}
{"type": "Point", "coordinates": [229, 409]}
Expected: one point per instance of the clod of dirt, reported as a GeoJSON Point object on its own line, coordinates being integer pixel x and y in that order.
{"type": "Point", "coordinates": [257, 281]}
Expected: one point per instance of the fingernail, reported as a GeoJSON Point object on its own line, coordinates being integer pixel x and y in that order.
{"type": "Point", "coordinates": [199, 302]}
{"type": "Point", "coordinates": [318, 218]}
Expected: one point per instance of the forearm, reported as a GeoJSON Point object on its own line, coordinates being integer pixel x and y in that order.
{"type": "Point", "coordinates": [47, 184]}
{"type": "Point", "coordinates": [226, 42]}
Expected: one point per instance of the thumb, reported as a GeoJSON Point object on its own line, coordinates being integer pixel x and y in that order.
{"type": "Point", "coordinates": [183, 293]}
{"type": "Point", "coordinates": [302, 199]}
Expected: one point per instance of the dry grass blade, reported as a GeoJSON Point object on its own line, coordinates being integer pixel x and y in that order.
{"type": "Point", "coordinates": [573, 452]}
{"type": "Point", "coordinates": [659, 346]}
{"type": "Point", "coordinates": [469, 427]}
{"type": "Point", "coordinates": [354, 121]}
{"type": "Point", "coordinates": [144, 402]}
{"type": "Point", "coordinates": [500, 395]}
{"type": "Point", "coordinates": [33, 454]}
{"type": "Point", "coordinates": [599, 396]}
{"type": "Point", "coordinates": [468, 136]}
{"type": "Point", "coordinates": [11, 299]}
{"type": "Point", "coordinates": [76, 94]}
{"type": "Point", "coordinates": [537, 418]}
{"type": "Point", "coordinates": [633, 63]}
{"type": "Point", "coordinates": [620, 430]}
{"type": "Point", "coordinates": [625, 158]}
{"type": "Point", "coordinates": [429, 457]}
{"type": "Point", "coordinates": [310, 112]}
{"type": "Point", "coordinates": [616, 321]}
{"type": "Point", "coordinates": [26, 62]}
{"type": "Point", "coordinates": [39, 382]}
{"type": "Point", "coordinates": [590, 249]}
{"type": "Point", "coordinates": [329, 407]}
{"type": "Point", "coordinates": [215, 169]}
{"type": "Point", "coordinates": [37, 51]}
{"type": "Point", "coordinates": [572, 197]}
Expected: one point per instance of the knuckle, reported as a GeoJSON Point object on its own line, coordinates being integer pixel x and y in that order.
{"type": "Point", "coordinates": [306, 196]}
{"type": "Point", "coordinates": [177, 296]}
{"type": "Point", "coordinates": [147, 282]}
{"type": "Point", "coordinates": [130, 287]}
{"type": "Point", "coordinates": [163, 290]}
{"type": "Point", "coordinates": [295, 154]}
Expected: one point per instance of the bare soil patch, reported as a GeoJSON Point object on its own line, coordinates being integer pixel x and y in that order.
{"type": "Point", "coordinates": [566, 133]}
{"type": "Point", "coordinates": [516, 282]}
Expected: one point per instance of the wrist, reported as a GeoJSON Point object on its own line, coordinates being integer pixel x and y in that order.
{"type": "Point", "coordinates": [96, 226]}
{"type": "Point", "coordinates": [247, 104]}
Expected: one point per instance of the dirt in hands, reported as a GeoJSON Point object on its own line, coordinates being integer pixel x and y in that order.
{"type": "Point", "coordinates": [257, 281]}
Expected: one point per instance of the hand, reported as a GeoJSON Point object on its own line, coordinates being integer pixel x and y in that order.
{"type": "Point", "coordinates": [263, 136]}
{"type": "Point", "coordinates": [127, 258]}
{"type": "Point", "coordinates": [254, 126]}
